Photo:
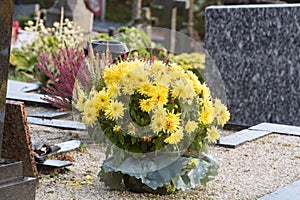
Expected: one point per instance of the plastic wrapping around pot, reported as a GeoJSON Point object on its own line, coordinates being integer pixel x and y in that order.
{"type": "Point", "coordinates": [115, 48]}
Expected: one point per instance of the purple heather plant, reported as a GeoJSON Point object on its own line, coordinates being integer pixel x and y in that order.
{"type": "Point", "coordinates": [61, 71]}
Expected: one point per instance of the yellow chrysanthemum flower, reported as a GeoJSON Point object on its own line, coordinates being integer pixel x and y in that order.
{"type": "Point", "coordinates": [160, 112]}
{"type": "Point", "coordinates": [146, 105]}
{"type": "Point", "coordinates": [206, 116]}
{"type": "Point", "coordinates": [146, 89]}
{"type": "Point", "coordinates": [114, 110]}
{"type": "Point", "coordinates": [179, 90]}
{"type": "Point", "coordinates": [157, 124]}
{"type": "Point", "coordinates": [173, 67]}
{"type": "Point", "coordinates": [160, 95]}
{"type": "Point", "coordinates": [129, 77]}
{"type": "Point", "coordinates": [90, 113]}
{"type": "Point", "coordinates": [205, 91]}
{"type": "Point", "coordinates": [222, 115]}
{"type": "Point", "coordinates": [196, 83]}
{"type": "Point", "coordinates": [163, 79]}
{"type": "Point", "coordinates": [140, 76]}
{"type": "Point", "coordinates": [191, 126]}
{"type": "Point", "coordinates": [175, 137]}
{"type": "Point", "coordinates": [80, 102]}
{"type": "Point", "coordinates": [157, 67]}
{"type": "Point", "coordinates": [114, 90]}
{"type": "Point", "coordinates": [117, 128]}
{"type": "Point", "coordinates": [213, 134]}
{"type": "Point", "coordinates": [191, 60]}
{"type": "Point", "coordinates": [112, 75]}
{"type": "Point", "coordinates": [128, 89]}
{"type": "Point", "coordinates": [206, 104]}
{"type": "Point", "coordinates": [172, 123]}
{"type": "Point", "coordinates": [101, 100]}
{"type": "Point", "coordinates": [183, 89]}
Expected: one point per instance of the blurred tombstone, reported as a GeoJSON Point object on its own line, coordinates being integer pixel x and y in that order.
{"type": "Point", "coordinates": [25, 10]}
{"type": "Point", "coordinates": [74, 10]}
{"type": "Point", "coordinates": [171, 7]}
{"type": "Point", "coordinates": [136, 11]}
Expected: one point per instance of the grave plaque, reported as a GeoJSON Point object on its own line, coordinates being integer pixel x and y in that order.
{"type": "Point", "coordinates": [257, 51]}
{"type": "Point", "coordinates": [6, 14]}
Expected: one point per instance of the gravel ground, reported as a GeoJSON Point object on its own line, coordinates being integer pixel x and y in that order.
{"type": "Point", "coordinates": [249, 171]}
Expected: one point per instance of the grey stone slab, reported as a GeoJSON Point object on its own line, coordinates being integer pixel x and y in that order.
{"type": "Point", "coordinates": [241, 137]}
{"type": "Point", "coordinates": [27, 97]}
{"type": "Point", "coordinates": [257, 51]}
{"type": "Point", "coordinates": [290, 192]}
{"type": "Point", "coordinates": [278, 128]}
{"type": "Point", "coordinates": [55, 163]}
{"type": "Point", "coordinates": [65, 124]}
{"type": "Point", "coordinates": [18, 86]}
{"type": "Point", "coordinates": [10, 170]}
{"type": "Point", "coordinates": [23, 188]}
{"type": "Point", "coordinates": [65, 147]}
{"type": "Point", "coordinates": [6, 18]}
{"type": "Point", "coordinates": [50, 114]}
{"type": "Point", "coordinates": [68, 146]}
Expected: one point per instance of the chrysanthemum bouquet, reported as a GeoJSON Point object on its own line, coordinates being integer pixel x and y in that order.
{"type": "Point", "coordinates": [156, 119]}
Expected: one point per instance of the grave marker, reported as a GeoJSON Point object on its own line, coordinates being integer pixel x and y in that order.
{"type": "Point", "coordinates": [16, 138]}
{"type": "Point", "coordinates": [171, 15]}
{"type": "Point", "coordinates": [257, 51]}
{"type": "Point", "coordinates": [74, 10]}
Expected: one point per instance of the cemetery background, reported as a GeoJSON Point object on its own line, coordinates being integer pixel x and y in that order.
{"type": "Point", "coordinates": [247, 181]}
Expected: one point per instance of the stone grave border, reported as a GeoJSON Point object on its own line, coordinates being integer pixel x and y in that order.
{"type": "Point", "coordinates": [291, 191]}
{"type": "Point", "coordinates": [288, 192]}
{"type": "Point", "coordinates": [256, 132]}
{"type": "Point", "coordinates": [19, 91]}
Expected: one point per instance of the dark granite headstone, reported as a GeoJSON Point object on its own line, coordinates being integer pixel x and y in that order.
{"type": "Point", "coordinates": [6, 13]}
{"type": "Point", "coordinates": [257, 51]}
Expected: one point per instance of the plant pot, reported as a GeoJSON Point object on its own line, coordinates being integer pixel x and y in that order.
{"type": "Point", "coordinates": [114, 48]}
{"type": "Point", "coordinates": [136, 185]}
